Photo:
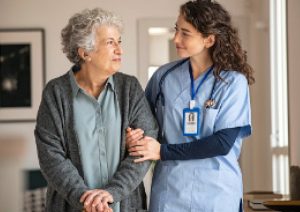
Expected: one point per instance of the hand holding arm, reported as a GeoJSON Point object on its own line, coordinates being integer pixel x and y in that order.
{"type": "Point", "coordinates": [148, 148]}
{"type": "Point", "coordinates": [133, 135]}
{"type": "Point", "coordinates": [217, 144]}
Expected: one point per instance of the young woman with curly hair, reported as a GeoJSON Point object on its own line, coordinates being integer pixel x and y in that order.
{"type": "Point", "coordinates": [202, 105]}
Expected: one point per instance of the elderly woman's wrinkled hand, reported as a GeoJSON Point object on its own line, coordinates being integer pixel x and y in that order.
{"type": "Point", "coordinates": [96, 200]}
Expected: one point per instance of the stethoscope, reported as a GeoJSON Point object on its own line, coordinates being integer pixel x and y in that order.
{"type": "Point", "coordinates": [160, 95]}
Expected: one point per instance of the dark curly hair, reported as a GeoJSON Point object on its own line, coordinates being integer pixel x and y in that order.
{"type": "Point", "coordinates": [210, 18]}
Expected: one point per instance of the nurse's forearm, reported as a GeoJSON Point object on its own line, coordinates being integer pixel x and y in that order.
{"type": "Point", "coordinates": [217, 144]}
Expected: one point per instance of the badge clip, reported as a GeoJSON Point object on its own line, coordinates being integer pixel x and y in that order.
{"type": "Point", "coordinates": [192, 104]}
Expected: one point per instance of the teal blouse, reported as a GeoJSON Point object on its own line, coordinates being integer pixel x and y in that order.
{"type": "Point", "coordinates": [98, 127]}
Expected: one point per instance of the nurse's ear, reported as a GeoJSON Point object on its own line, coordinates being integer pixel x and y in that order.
{"type": "Point", "coordinates": [84, 55]}
{"type": "Point", "coordinates": [209, 41]}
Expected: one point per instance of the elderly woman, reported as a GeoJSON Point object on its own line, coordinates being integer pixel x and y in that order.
{"type": "Point", "coordinates": [80, 129]}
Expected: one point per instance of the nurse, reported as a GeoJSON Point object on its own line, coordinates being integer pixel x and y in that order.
{"type": "Point", "coordinates": [202, 105]}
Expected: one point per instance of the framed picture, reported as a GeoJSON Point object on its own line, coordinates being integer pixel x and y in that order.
{"type": "Point", "coordinates": [22, 73]}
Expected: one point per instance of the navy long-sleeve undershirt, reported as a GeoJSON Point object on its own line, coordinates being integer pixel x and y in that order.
{"type": "Point", "coordinates": [217, 144]}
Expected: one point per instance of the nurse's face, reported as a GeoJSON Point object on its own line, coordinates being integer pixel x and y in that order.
{"type": "Point", "coordinates": [106, 56]}
{"type": "Point", "coordinates": [189, 42]}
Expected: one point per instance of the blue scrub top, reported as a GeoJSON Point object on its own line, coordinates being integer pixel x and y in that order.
{"type": "Point", "coordinates": [212, 184]}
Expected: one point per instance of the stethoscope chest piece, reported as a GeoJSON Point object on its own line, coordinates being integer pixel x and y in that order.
{"type": "Point", "coordinates": [209, 103]}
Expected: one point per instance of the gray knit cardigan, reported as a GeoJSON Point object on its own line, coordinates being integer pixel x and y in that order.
{"type": "Point", "coordinates": [58, 152]}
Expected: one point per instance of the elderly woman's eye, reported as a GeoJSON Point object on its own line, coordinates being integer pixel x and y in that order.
{"type": "Point", "coordinates": [110, 42]}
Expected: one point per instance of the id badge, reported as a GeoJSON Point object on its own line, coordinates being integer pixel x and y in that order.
{"type": "Point", "coordinates": [191, 121]}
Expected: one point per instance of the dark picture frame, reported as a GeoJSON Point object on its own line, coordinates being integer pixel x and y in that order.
{"type": "Point", "coordinates": [22, 73]}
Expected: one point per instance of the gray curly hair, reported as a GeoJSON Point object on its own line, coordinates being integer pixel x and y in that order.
{"type": "Point", "coordinates": [81, 28]}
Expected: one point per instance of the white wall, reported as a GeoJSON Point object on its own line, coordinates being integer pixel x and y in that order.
{"type": "Point", "coordinates": [256, 156]}
{"type": "Point", "coordinates": [157, 44]}
{"type": "Point", "coordinates": [293, 8]}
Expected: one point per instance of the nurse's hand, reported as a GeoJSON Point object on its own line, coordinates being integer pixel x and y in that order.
{"type": "Point", "coordinates": [146, 148]}
{"type": "Point", "coordinates": [133, 135]}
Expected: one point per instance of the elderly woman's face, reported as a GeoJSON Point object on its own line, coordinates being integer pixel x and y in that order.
{"type": "Point", "coordinates": [106, 57]}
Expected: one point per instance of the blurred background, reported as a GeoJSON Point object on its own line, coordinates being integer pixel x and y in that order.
{"type": "Point", "coordinates": [268, 30]}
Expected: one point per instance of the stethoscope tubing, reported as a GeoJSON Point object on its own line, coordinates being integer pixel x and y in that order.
{"type": "Point", "coordinates": [160, 93]}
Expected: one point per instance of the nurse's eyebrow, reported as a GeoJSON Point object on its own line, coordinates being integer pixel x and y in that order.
{"type": "Point", "coordinates": [185, 30]}
{"type": "Point", "coordinates": [182, 29]}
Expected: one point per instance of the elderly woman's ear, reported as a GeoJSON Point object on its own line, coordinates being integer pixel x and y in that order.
{"type": "Point", "coordinates": [84, 55]}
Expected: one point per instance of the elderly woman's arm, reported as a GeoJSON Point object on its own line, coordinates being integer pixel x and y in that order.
{"type": "Point", "coordinates": [129, 174]}
{"type": "Point", "coordinates": [58, 169]}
